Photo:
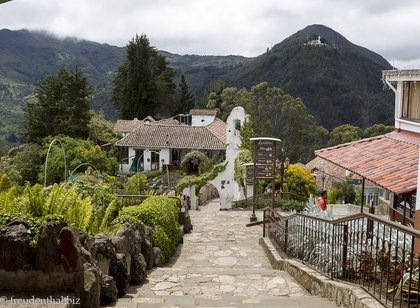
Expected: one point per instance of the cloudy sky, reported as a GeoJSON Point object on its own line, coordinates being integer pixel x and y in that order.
{"type": "Point", "coordinates": [222, 27]}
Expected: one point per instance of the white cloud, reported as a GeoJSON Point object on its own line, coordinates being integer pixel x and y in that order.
{"type": "Point", "coordinates": [220, 27]}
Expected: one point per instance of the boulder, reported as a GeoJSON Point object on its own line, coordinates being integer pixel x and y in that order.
{"type": "Point", "coordinates": [46, 252]}
{"type": "Point", "coordinates": [157, 256]}
{"type": "Point", "coordinates": [125, 241]}
{"type": "Point", "coordinates": [138, 268]}
{"type": "Point", "coordinates": [103, 252]}
{"type": "Point", "coordinates": [185, 219]}
{"type": "Point", "coordinates": [119, 270]}
{"type": "Point", "coordinates": [109, 291]}
{"type": "Point", "coordinates": [91, 286]}
{"type": "Point", "coordinates": [69, 250]}
{"type": "Point", "coordinates": [147, 251]}
{"type": "Point", "coordinates": [15, 252]}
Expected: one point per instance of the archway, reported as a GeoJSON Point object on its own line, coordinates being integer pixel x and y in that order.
{"type": "Point", "coordinates": [206, 193]}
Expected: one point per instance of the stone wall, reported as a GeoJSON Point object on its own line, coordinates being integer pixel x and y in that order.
{"type": "Point", "coordinates": [343, 294]}
{"type": "Point", "coordinates": [206, 193]}
{"type": "Point", "coordinates": [97, 269]}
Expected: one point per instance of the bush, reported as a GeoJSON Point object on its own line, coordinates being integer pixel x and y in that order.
{"type": "Point", "coordinates": [265, 200]}
{"type": "Point", "coordinates": [197, 156]}
{"type": "Point", "coordinates": [77, 151]}
{"type": "Point", "coordinates": [345, 191]}
{"type": "Point", "coordinates": [300, 181]}
{"type": "Point", "coordinates": [135, 183]}
{"type": "Point", "coordinates": [158, 212]}
{"type": "Point", "coordinates": [153, 174]}
{"type": "Point", "coordinates": [201, 180]}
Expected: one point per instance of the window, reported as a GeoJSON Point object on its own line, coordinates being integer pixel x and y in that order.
{"type": "Point", "coordinates": [411, 100]}
{"type": "Point", "coordinates": [124, 155]}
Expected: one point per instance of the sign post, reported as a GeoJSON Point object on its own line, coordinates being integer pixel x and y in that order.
{"type": "Point", "coordinates": [264, 157]}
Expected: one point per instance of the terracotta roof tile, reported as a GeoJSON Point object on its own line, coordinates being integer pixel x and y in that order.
{"type": "Point", "coordinates": [390, 160]}
{"type": "Point", "coordinates": [218, 128]}
{"type": "Point", "coordinates": [126, 126]}
{"type": "Point", "coordinates": [172, 136]}
{"type": "Point", "coordinates": [210, 112]}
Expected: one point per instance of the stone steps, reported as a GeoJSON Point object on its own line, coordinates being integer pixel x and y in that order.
{"type": "Point", "coordinates": [228, 301]}
{"type": "Point", "coordinates": [220, 264]}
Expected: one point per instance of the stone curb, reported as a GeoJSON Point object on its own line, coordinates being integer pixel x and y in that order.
{"type": "Point", "coordinates": [343, 294]}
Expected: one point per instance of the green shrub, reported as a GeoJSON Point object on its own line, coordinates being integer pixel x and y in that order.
{"type": "Point", "coordinates": [153, 174]}
{"type": "Point", "coordinates": [345, 191]}
{"type": "Point", "coordinates": [332, 195]}
{"type": "Point", "coordinates": [135, 183]}
{"type": "Point", "coordinates": [158, 212]}
{"type": "Point", "coordinates": [244, 156]}
{"type": "Point", "coordinates": [265, 200]}
{"type": "Point", "coordinates": [200, 157]}
{"type": "Point", "coordinates": [300, 181]}
{"type": "Point", "coordinates": [201, 180]}
{"type": "Point", "coordinates": [292, 205]}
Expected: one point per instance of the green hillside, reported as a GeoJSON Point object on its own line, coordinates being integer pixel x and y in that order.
{"type": "Point", "coordinates": [339, 82]}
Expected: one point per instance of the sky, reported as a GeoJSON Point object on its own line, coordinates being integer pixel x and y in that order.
{"type": "Point", "coordinates": [390, 28]}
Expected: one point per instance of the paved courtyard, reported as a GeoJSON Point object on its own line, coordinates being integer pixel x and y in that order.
{"type": "Point", "coordinates": [220, 264]}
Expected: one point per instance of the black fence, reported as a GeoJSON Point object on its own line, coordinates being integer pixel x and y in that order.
{"type": "Point", "coordinates": [377, 254]}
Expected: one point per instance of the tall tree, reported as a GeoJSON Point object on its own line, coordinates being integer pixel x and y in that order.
{"type": "Point", "coordinates": [277, 114]}
{"type": "Point", "coordinates": [212, 98]}
{"type": "Point", "coordinates": [345, 133]}
{"type": "Point", "coordinates": [62, 106]}
{"type": "Point", "coordinates": [144, 83]}
{"type": "Point", "coordinates": [185, 102]}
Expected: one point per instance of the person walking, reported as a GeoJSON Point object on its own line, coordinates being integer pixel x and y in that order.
{"type": "Point", "coordinates": [322, 200]}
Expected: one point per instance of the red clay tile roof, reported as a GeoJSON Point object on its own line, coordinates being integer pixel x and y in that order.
{"type": "Point", "coordinates": [126, 126]}
{"type": "Point", "coordinates": [390, 160]}
{"type": "Point", "coordinates": [172, 136]}
{"type": "Point", "coordinates": [218, 128]}
{"type": "Point", "coordinates": [209, 112]}
{"type": "Point", "coordinates": [331, 173]}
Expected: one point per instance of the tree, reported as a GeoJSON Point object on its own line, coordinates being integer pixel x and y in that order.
{"type": "Point", "coordinates": [144, 83]}
{"type": "Point", "coordinates": [300, 133]}
{"type": "Point", "coordinates": [62, 106]}
{"type": "Point", "coordinates": [77, 152]}
{"type": "Point", "coordinates": [185, 102]}
{"type": "Point", "coordinates": [300, 181]}
{"type": "Point", "coordinates": [277, 114]}
{"type": "Point", "coordinates": [377, 129]}
{"type": "Point", "coordinates": [344, 133]}
{"type": "Point", "coordinates": [247, 132]}
{"type": "Point", "coordinates": [101, 131]}
{"type": "Point", "coordinates": [212, 99]}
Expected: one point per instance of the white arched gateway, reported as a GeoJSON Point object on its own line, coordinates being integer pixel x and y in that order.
{"type": "Point", "coordinates": [229, 190]}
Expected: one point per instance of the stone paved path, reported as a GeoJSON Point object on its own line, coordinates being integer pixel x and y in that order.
{"type": "Point", "coordinates": [220, 264]}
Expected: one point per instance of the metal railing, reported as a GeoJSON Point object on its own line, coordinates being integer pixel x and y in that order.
{"type": "Point", "coordinates": [379, 255]}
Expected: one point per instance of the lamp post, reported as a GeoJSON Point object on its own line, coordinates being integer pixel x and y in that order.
{"type": "Point", "coordinates": [283, 167]}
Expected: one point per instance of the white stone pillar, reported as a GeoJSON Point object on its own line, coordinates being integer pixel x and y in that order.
{"type": "Point", "coordinates": [147, 158]}
{"type": "Point", "coordinates": [193, 198]}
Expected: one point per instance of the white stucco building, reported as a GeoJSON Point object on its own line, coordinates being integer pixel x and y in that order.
{"type": "Point", "coordinates": [149, 144]}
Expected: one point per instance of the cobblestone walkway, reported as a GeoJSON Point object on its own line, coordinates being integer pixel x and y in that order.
{"type": "Point", "coordinates": [220, 264]}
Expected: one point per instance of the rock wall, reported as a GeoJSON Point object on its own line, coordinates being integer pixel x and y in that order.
{"type": "Point", "coordinates": [67, 261]}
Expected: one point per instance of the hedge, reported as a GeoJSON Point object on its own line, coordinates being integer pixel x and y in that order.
{"type": "Point", "coordinates": [160, 213]}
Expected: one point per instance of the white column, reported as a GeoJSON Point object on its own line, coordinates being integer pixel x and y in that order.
{"type": "Point", "coordinates": [398, 103]}
{"type": "Point", "coordinates": [147, 157]}
{"type": "Point", "coordinates": [165, 155]}
{"type": "Point", "coordinates": [193, 198]}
